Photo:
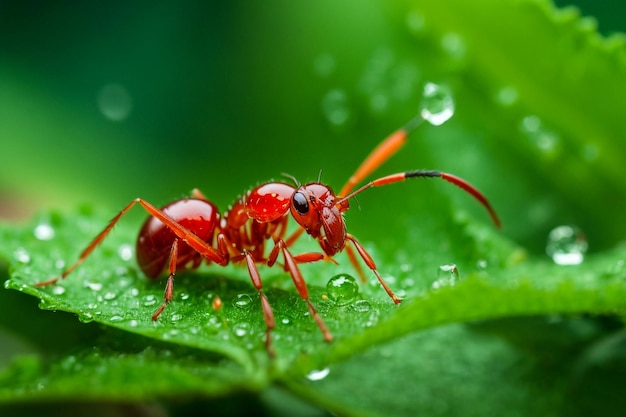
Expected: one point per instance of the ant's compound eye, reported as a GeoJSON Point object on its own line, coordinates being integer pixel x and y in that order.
{"type": "Point", "coordinates": [300, 203]}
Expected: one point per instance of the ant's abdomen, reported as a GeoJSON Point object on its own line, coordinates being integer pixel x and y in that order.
{"type": "Point", "coordinates": [154, 243]}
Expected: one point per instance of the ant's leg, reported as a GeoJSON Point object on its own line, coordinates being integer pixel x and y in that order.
{"type": "Point", "coordinates": [372, 265]}
{"type": "Point", "coordinates": [268, 314]}
{"type": "Point", "coordinates": [200, 246]}
{"type": "Point", "coordinates": [355, 263]}
{"type": "Point", "coordinates": [95, 242]}
{"type": "Point", "coordinates": [291, 265]}
{"type": "Point", "coordinates": [385, 150]}
{"type": "Point", "coordinates": [168, 294]}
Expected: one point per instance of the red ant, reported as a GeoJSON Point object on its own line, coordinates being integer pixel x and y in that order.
{"type": "Point", "coordinates": [185, 232]}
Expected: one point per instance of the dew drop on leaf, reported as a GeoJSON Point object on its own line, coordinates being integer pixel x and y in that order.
{"type": "Point", "coordinates": [43, 231]}
{"type": "Point", "coordinates": [125, 252]}
{"type": "Point", "coordinates": [109, 295]}
{"type": "Point", "coordinates": [242, 300]}
{"type": "Point", "coordinates": [93, 285]}
{"type": "Point", "coordinates": [58, 290]}
{"type": "Point", "coordinates": [447, 275]}
{"type": "Point", "coordinates": [241, 329]}
{"type": "Point", "coordinates": [21, 256]}
{"type": "Point", "coordinates": [449, 272]}
{"type": "Point", "coordinates": [85, 317]}
{"type": "Point", "coordinates": [362, 306]}
{"type": "Point", "coordinates": [342, 289]}
{"type": "Point", "coordinates": [437, 105]}
{"type": "Point", "coordinates": [566, 245]}
{"type": "Point", "coordinates": [149, 300]}
{"type": "Point", "coordinates": [318, 374]}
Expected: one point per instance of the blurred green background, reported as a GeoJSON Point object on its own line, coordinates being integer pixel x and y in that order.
{"type": "Point", "coordinates": [103, 102]}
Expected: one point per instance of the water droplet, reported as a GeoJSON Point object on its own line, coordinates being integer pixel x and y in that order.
{"type": "Point", "coordinates": [415, 21]}
{"type": "Point", "coordinates": [58, 290]}
{"type": "Point", "coordinates": [116, 319]}
{"type": "Point", "coordinates": [85, 317]}
{"type": "Point", "coordinates": [449, 273]}
{"type": "Point", "coordinates": [566, 245]}
{"type": "Point", "coordinates": [133, 323]}
{"type": "Point", "coordinates": [44, 231]}
{"type": "Point", "coordinates": [342, 289]}
{"type": "Point", "coordinates": [109, 295]}
{"type": "Point", "coordinates": [125, 252]}
{"type": "Point", "coordinates": [149, 300]}
{"type": "Point", "coordinates": [183, 296]}
{"type": "Point", "coordinates": [454, 45]}
{"type": "Point", "coordinates": [176, 317]}
{"type": "Point", "coordinates": [241, 329]}
{"type": "Point", "coordinates": [242, 300]}
{"type": "Point", "coordinates": [372, 320]}
{"type": "Point", "coordinates": [318, 374]}
{"type": "Point", "coordinates": [506, 96]}
{"type": "Point", "coordinates": [437, 105]}
{"type": "Point", "coordinates": [93, 285]}
{"type": "Point", "coordinates": [21, 255]}
{"type": "Point", "coordinates": [324, 65]}
{"type": "Point", "coordinates": [114, 102]}
{"type": "Point", "coordinates": [481, 264]}
{"type": "Point", "coordinates": [285, 321]}
{"type": "Point", "coordinates": [335, 107]}
{"type": "Point", "coordinates": [362, 306]}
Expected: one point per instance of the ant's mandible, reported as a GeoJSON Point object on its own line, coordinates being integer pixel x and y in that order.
{"type": "Point", "coordinates": [185, 232]}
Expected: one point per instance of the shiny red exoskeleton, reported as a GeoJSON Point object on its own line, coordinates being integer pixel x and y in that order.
{"type": "Point", "coordinates": [253, 231]}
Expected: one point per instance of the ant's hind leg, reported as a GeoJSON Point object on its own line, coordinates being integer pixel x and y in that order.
{"type": "Point", "coordinates": [168, 294]}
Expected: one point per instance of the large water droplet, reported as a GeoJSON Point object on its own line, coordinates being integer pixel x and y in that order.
{"type": "Point", "coordinates": [114, 102]}
{"type": "Point", "coordinates": [318, 374]}
{"type": "Point", "coordinates": [437, 105]}
{"type": "Point", "coordinates": [335, 107]}
{"type": "Point", "coordinates": [44, 231]}
{"type": "Point", "coordinates": [342, 289]}
{"type": "Point", "coordinates": [566, 245]}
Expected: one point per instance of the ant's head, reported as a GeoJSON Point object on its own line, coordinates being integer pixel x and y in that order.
{"type": "Point", "coordinates": [314, 206]}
